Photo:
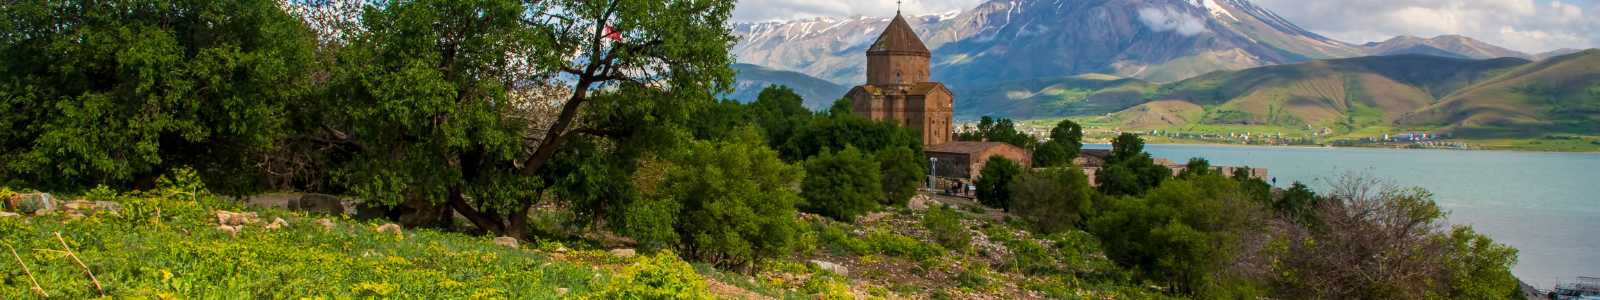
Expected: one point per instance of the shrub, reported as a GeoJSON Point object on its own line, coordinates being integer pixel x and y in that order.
{"type": "Point", "coordinates": [1052, 200]}
{"type": "Point", "coordinates": [902, 171]}
{"type": "Point", "coordinates": [896, 245]}
{"type": "Point", "coordinates": [994, 182]}
{"type": "Point", "coordinates": [944, 224]}
{"type": "Point", "coordinates": [733, 202]}
{"type": "Point", "coordinates": [659, 276]}
{"type": "Point", "coordinates": [841, 185]}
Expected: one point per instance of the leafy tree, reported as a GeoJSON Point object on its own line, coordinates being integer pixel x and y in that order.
{"type": "Point", "coordinates": [841, 107]}
{"type": "Point", "coordinates": [1186, 234]}
{"type": "Point", "coordinates": [1478, 267]}
{"type": "Point", "coordinates": [1053, 200]}
{"type": "Point", "coordinates": [438, 99]}
{"type": "Point", "coordinates": [903, 170]}
{"type": "Point", "coordinates": [730, 203]}
{"type": "Point", "coordinates": [719, 120]}
{"type": "Point", "coordinates": [1256, 188]}
{"type": "Point", "coordinates": [1066, 141]}
{"type": "Point", "coordinates": [834, 133]}
{"type": "Point", "coordinates": [841, 185]}
{"type": "Point", "coordinates": [994, 182]}
{"type": "Point", "coordinates": [944, 224]}
{"type": "Point", "coordinates": [1130, 171]}
{"type": "Point", "coordinates": [1296, 203]}
{"type": "Point", "coordinates": [780, 111]}
{"type": "Point", "coordinates": [1195, 168]}
{"type": "Point", "coordinates": [117, 93]}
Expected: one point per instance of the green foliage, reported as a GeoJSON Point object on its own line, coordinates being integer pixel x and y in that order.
{"type": "Point", "coordinates": [1052, 200]}
{"type": "Point", "coordinates": [841, 107]}
{"type": "Point", "coordinates": [1002, 130]}
{"type": "Point", "coordinates": [1183, 234]}
{"type": "Point", "coordinates": [841, 185]}
{"type": "Point", "coordinates": [117, 93]}
{"type": "Point", "coordinates": [1130, 171]}
{"type": "Point", "coordinates": [1478, 267]}
{"type": "Point", "coordinates": [1297, 203]}
{"type": "Point", "coordinates": [994, 182]}
{"type": "Point", "coordinates": [836, 132]}
{"type": "Point", "coordinates": [1196, 167]}
{"type": "Point", "coordinates": [163, 244]}
{"type": "Point", "coordinates": [902, 170]}
{"type": "Point", "coordinates": [1066, 141]}
{"type": "Point", "coordinates": [733, 202]}
{"type": "Point", "coordinates": [779, 111]}
{"type": "Point", "coordinates": [889, 243]}
{"type": "Point", "coordinates": [1255, 188]}
{"type": "Point", "coordinates": [944, 224]}
{"type": "Point", "coordinates": [659, 276]}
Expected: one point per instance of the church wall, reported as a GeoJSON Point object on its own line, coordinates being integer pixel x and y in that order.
{"type": "Point", "coordinates": [883, 68]}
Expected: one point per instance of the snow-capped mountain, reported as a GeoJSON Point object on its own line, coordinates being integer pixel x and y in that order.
{"type": "Point", "coordinates": [1006, 40]}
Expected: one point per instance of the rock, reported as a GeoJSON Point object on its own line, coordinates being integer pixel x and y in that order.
{"type": "Point", "coordinates": [918, 203]}
{"type": "Point", "coordinates": [32, 203]}
{"type": "Point", "coordinates": [389, 228]}
{"type": "Point", "coordinates": [232, 218]}
{"type": "Point", "coordinates": [108, 206]}
{"type": "Point", "coordinates": [230, 230]}
{"type": "Point", "coordinates": [326, 224]}
{"type": "Point", "coordinates": [4, 214]}
{"type": "Point", "coordinates": [506, 241]}
{"type": "Point", "coordinates": [561, 291]}
{"type": "Point", "coordinates": [831, 267]}
{"type": "Point", "coordinates": [318, 203]}
{"type": "Point", "coordinates": [623, 253]}
{"type": "Point", "coordinates": [561, 249]}
{"type": "Point", "coordinates": [277, 223]}
{"type": "Point", "coordinates": [75, 205]}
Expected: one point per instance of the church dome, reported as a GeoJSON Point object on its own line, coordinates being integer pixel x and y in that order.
{"type": "Point", "coordinates": [899, 38]}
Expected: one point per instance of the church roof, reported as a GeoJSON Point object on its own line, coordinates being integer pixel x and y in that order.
{"type": "Point", "coordinates": [899, 37]}
{"type": "Point", "coordinates": [968, 148]}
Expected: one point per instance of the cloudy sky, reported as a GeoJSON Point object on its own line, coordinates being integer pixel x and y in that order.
{"type": "Point", "coordinates": [1526, 25]}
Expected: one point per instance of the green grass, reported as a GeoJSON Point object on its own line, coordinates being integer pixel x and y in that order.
{"type": "Point", "coordinates": [165, 245]}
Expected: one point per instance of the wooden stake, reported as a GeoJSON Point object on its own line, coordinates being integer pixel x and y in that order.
{"type": "Point", "coordinates": [74, 257]}
{"type": "Point", "coordinates": [36, 287]}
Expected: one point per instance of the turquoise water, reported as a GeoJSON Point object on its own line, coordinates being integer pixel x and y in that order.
{"type": "Point", "coordinates": [1547, 205]}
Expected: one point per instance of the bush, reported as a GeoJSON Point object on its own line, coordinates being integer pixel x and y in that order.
{"type": "Point", "coordinates": [660, 276]}
{"type": "Point", "coordinates": [841, 185]}
{"type": "Point", "coordinates": [1052, 200]}
{"type": "Point", "coordinates": [994, 182]}
{"type": "Point", "coordinates": [902, 171]}
{"type": "Point", "coordinates": [733, 202]}
{"type": "Point", "coordinates": [944, 224]}
{"type": "Point", "coordinates": [891, 244]}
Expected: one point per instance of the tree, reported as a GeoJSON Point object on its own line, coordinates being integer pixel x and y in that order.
{"type": "Point", "coordinates": [1066, 141]}
{"type": "Point", "coordinates": [1193, 235]}
{"type": "Point", "coordinates": [841, 107]}
{"type": "Point", "coordinates": [730, 203]}
{"type": "Point", "coordinates": [432, 99]}
{"type": "Point", "coordinates": [1126, 146]}
{"type": "Point", "coordinates": [1130, 171]}
{"type": "Point", "coordinates": [1053, 200]}
{"type": "Point", "coordinates": [999, 130]}
{"type": "Point", "coordinates": [115, 93]}
{"type": "Point", "coordinates": [1195, 168]}
{"type": "Point", "coordinates": [994, 182]}
{"type": "Point", "coordinates": [1296, 203]}
{"type": "Point", "coordinates": [841, 185]}
{"type": "Point", "coordinates": [780, 111]}
{"type": "Point", "coordinates": [902, 170]}
{"type": "Point", "coordinates": [1257, 188]}
{"type": "Point", "coordinates": [834, 133]}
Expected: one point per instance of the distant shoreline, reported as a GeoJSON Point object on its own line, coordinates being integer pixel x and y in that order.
{"type": "Point", "coordinates": [1595, 150]}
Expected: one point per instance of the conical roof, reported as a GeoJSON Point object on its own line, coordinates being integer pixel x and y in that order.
{"type": "Point", "coordinates": [898, 38]}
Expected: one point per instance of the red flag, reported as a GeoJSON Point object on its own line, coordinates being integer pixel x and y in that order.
{"type": "Point", "coordinates": [613, 34]}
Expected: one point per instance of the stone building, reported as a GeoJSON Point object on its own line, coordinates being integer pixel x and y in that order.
{"type": "Point", "coordinates": [898, 87]}
{"type": "Point", "coordinates": [966, 159]}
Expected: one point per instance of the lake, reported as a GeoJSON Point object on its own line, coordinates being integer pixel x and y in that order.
{"type": "Point", "coordinates": [1547, 205]}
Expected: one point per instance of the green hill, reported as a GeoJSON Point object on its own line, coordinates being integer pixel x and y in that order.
{"type": "Point", "coordinates": [1093, 94]}
{"type": "Point", "coordinates": [1557, 95]}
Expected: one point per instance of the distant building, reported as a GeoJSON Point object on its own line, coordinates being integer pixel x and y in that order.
{"type": "Point", "coordinates": [966, 160]}
{"type": "Point", "coordinates": [1093, 160]}
{"type": "Point", "coordinates": [898, 88]}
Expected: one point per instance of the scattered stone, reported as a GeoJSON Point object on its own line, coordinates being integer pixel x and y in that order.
{"type": "Point", "coordinates": [108, 206]}
{"type": "Point", "coordinates": [318, 203]}
{"type": "Point", "coordinates": [506, 241]}
{"type": "Point", "coordinates": [561, 249]}
{"type": "Point", "coordinates": [872, 217]}
{"type": "Point", "coordinates": [326, 224]}
{"type": "Point", "coordinates": [230, 230]}
{"type": "Point", "coordinates": [232, 218]}
{"type": "Point", "coordinates": [918, 203]}
{"type": "Point", "coordinates": [277, 223]}
{"type": "Point", "coordinates": [561, 291]}
{"type": "Point", "coordinates": [831, 267]}
{"type": "Point", "coordinates": [4, 214]}
{"type": "Point", "coordinates": [389, 228]}
{"type": "Point", "coordinates": [32, 203]}
{"type": "Point", "coordinates": [623, 253]}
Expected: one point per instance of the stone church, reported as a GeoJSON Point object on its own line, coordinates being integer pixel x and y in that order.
{"type": "Point", "coordinates": [899, 89]}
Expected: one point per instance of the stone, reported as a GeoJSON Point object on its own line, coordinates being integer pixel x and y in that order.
{"type": "Point", "coordinates": [232, 218]}
{"type": "Point", "coordinates": [918, 203]}
{"type": "Point", "coordinates": [389, 228]}
{"type": "Point", "coordinates": [318, 203]}
{"type": "Point", "coordinates": [831, 267]}
{"type": "Point", "coordinates": [230, 230]}
{"type": "Point", "coordinates": [6, 214]}
{"type": "Point", "coordinates": [506, 241]}
{"type": "Point", "coordinates": [32, 203]}
{"type": "Point", "coordinates": [561, 291]}
{"type": "Point", "coordinates": [277, 223]}
{"type": "Point", "coordinates": [326, 224]}
{"type": "Point", "coordinates": [108, 206]}
{"type": "Point", "coordinates": [623, 253]}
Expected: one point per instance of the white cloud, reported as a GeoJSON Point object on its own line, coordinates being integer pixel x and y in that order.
{"type": "Point", "coordinates": [1526, 25]}
{"type": "Point", "coordinates": [1171, 20]}
{"type": "Point", "coordinates": [767, 10]}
